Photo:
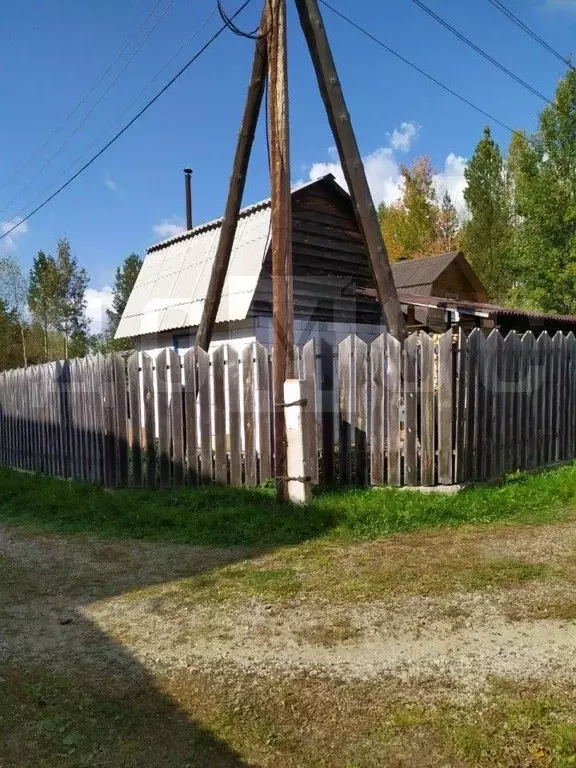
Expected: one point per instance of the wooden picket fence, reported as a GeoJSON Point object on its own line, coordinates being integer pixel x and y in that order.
{"type": "Point", "coordinates": [431, 411]}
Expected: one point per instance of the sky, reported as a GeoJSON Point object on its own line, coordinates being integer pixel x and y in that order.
{"type": "Point", "coordinates": [72, 74]}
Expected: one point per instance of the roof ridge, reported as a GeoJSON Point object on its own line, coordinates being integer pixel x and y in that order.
{"type": "Point", "coordinates": [246, 211]}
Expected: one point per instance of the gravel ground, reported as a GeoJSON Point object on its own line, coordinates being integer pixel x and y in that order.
{"type": "Point", "coordinates": [72, 597]}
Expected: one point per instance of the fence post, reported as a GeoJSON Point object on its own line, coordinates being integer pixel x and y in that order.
{"type": "Point", "coordinates": [299, 485]}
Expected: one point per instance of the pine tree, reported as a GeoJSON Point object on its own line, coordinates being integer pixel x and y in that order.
{"type": "Point", "coordinates": [43, 295]}
{"type": "Point", "coordinates": [124, 281]}
{"type": "Point", "coordinates": [487, 235]}
{"type": "Point", "coordinates": [72, 283]}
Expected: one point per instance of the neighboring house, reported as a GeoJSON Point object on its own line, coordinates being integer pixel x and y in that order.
{"type": "Point", "coordinates": [330, 266]}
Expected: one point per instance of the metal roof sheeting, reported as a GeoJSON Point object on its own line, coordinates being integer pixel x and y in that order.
{"type": "Point", "coordinates": [171, 287]}
{"type": "Point", "coordinates": [170, 290]}
{"type": "Point", "coordinates": [480, 308]}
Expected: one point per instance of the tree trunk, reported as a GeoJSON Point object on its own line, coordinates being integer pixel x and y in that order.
{"type": "Point", "coordinates": [46, 341]}
{"type": "Point", "coordinates": [23, 336]}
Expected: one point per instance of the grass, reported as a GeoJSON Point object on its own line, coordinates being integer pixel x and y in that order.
{"type": "Point", "coordinates": [228, 719]}
{"type": "Point", "coordinates": [108, 709]}
{"type": "Point", "coordinates": [223, 516]}
{"type": "Point", "coordinates": [352, 574]}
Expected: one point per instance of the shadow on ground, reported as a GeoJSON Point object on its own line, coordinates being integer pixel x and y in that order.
{"type": "Point", "coordinates": [70, 695]}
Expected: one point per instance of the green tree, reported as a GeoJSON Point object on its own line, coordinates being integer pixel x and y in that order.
{"type": "Point", "coordinates": [10, 350]}
{"type": "Point", "coordinates": [71, 316]}
{"type": "Point", "coordinates": [447, 226]}
{"type": "Point", "coordinates": [418, 228]}
{"type": "Point", "coordinates": [543, 179]}
{"type": "Point", "coordinates": [124, 281]}
{"type": "Point", "coordinates": [14, 294]}
{"type": "Point", "coordinates": [487, 235]}
{"type": "Point", "coordinates": [44, 295]}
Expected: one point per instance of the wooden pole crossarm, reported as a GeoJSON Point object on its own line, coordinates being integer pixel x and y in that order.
{"type": "Point", "coordinates": [236, 190]}
{"type": "Point", "coordinates": [352, 166]}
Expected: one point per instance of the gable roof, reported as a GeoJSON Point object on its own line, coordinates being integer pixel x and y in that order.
{"type": "Point", "coordinates": [417, 272]}
{"type": "Point", "coordinates": [171, 288]}
{"type": "Point", "coordinates": [412, 272]}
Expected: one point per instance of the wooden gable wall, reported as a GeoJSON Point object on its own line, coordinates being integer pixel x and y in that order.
{"type": "Point", "coordinates": [329, 262]}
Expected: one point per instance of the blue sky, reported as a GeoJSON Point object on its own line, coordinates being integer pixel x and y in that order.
{"type": "Point", "coordinates": [54, 51]}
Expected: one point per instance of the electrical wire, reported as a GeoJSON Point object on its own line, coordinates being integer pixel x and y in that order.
{"type": "Point", "coordinates": [534, 35]}
{"type": "Point", "coordinates": [126, 109]}
{"type": "Point", "coordinates": [70, 136]}
{"type": "Point", "coordinates": [421, 71]}
{"type": "Point", "coordinates": [128, 125]}
{"type": "Point", "coordinates": [481, 51]}
{"type": "Point", "coordinates": [84, 98]}
{"type": "Point", "coordinates": [235, 29]}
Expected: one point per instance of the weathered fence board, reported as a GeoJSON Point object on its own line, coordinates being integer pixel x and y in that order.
{"type": "Point", "coordinates": [393, 409]}
{"type": "Point", "coordinates": [190, 416]}
{"type": "Point", "coordinates": [135, 405]}
{"type": "Point", "coordinates": [220, 452]}
{"type": "Point", "coordinates": [176, 418]}
{"type": "Point", "coordinates": [234, 416]}
{"type": "Point", "coordinates": [445, 409]}
{"type": "Point", "coordinates": [264, 411]}
{"type": "Point", "coordinates": [310, 410]}
{"type": "Point", "coordinates": [149, 420]}
{"type": "Point", "coordinates": [432, 410]}
{"type": "Point", "coordinates": [205, 414]}
{"type": "Point", "coordinates": [250, 466]}
{"type": "Point", "coordinates": [327, 410]}
{"type": "Point", "coordinates": [377, 433]}
{"type": "Point", "coordinates": [360, 416]}
{"type": "Point", "coordinates": [345, 409]}
{"type": "Point", "coordinates": [427, 419]}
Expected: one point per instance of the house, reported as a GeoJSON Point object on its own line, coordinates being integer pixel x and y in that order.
{"type": "Point", "coordinates": [333, 287]}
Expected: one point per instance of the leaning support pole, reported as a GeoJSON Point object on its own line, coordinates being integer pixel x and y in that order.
{"type": "Point", "coordinates": [281, 226]}
{"type": "Point", "coordinates": [236, 190]}
{"type": "Point", "coordinates": [352, 166]}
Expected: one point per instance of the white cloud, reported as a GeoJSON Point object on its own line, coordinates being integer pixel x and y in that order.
{"type": "Point", "coordinates": [97, 302]}
{"type": "Point", "coordinates": [402, 137]}
{"type": "Point", "coordinates": [382, 172]}
{"type": "Point", "coordinates": [9, 242]}
{"type": "Point", "coordinates": [110, 183]}
{"type": "Point", "coordinates": [452, 180]}
{"type": "Point", "coordinates": [169, 227]}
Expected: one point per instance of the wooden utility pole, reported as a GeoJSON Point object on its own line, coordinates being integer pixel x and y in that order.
{"type": "Point", "coordinates": [236, 190]}
{"type": "Point", "coordinates": [352, 166]}
{"type": "Point", "coordinates": [282, 290]}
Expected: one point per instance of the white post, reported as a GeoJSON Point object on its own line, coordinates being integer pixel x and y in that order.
{"type": "Point", "coordinates": [299, 486]}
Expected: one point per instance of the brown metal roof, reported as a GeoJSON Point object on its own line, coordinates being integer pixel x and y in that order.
{"type": "Point", "coordinates": [412, 272]}
{"type": "Point", "coordinates": [473, 307]}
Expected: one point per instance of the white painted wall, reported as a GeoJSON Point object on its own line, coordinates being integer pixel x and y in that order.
{"type": "Point", "coordinates": [244, 332]}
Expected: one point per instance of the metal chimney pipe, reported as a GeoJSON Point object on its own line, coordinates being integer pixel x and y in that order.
{"type": "Point", "coordinates": [188, 188]}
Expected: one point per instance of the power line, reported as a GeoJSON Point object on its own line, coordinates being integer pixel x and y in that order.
{"type": "Point", "coordinates": [102, 96]}
{"type": "Point", "coordinates": [481, 51]}
{"type": "Point", "coordinates": [126, 109]}
{"type": "Point", "coordinates": [129, 124]}
{"type": "Point", "coordinates": [83, 99]}
{"type": "Point", "coordinates": [421, 71]}
{"type": "Point", "coordinates": [534, 35]}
